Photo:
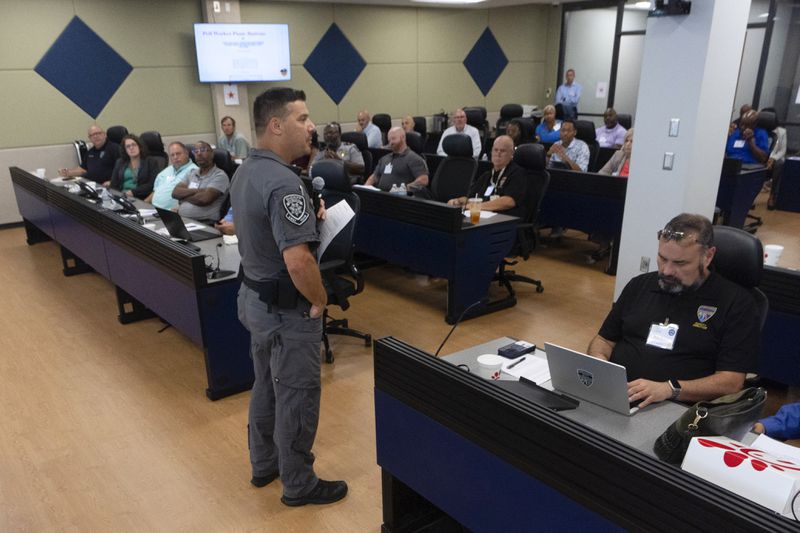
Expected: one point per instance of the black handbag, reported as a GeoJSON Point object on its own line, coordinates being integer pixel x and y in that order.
{"type": "Point", "coordinates": [731, 416]}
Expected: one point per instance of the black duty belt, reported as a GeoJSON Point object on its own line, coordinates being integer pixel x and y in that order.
{"type": "Point", "coordinates": [278, 292]}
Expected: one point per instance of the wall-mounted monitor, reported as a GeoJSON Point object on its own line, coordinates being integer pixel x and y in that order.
{"type": "Point", "coordinates": [228, 53]}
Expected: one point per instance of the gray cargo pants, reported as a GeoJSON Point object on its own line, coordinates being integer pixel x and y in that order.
{"type": "Point", "coordinates": [284, 402]}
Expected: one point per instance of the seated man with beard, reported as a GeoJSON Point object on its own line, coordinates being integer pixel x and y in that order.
{"type": "Point", "coordinates": [684, 332]}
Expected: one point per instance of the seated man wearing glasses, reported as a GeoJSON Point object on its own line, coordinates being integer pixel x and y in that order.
{"type": "Point", "coordinates": [684, 332]}
{"type": "Point", "coordinates": [179, 166]}
{"type": "Point", "coordinates": [202, 191]}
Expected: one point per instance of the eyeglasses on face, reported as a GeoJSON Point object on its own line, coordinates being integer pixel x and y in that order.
{"type": "Point", "coordinates": [201, 150]}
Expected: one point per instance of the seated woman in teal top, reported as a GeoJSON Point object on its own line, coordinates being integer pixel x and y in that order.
{"type": "Point", "coordinates": [549, 131]}
{"type": "Point", "coordinates": [134, 172]}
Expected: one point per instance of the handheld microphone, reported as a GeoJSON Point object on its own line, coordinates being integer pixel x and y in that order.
{"type": "Point", "coordinates": [482, 301]}
{"type": "Point", "coordinates": [317, 184]}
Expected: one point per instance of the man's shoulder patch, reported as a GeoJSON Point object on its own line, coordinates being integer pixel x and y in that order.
{"type": "Point", "coordinates": [296, 208]}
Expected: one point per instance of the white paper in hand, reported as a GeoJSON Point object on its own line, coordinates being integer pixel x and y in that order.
{"type": "Point", "coordinates": [336, 218]}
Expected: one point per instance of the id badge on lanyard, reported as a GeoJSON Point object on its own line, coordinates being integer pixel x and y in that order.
{"type": "Point", "coordinates": [663, 335]}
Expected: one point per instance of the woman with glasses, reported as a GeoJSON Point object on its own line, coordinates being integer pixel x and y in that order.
{"type": "Point", "coordinates": [135, 172]}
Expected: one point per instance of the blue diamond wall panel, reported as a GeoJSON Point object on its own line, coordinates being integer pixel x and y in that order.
{"type": "Point", "coordinates": [486, 61]}
{"type": "Point", "coordinates": [335, 63]}
{"type": "Point", "coordinates": [83, 67]}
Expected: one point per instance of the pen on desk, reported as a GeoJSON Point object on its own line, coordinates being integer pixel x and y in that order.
{"type": "Point", "coordinates": [515, 363]}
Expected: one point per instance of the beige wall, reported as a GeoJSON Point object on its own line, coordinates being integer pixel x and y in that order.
{"type": "Point", "coordinates": [415, 56]}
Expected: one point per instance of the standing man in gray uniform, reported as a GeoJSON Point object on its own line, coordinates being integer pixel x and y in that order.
{"type": "Point", "coordinates": [282, 300]}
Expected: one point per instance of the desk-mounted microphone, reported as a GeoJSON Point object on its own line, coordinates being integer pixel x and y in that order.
{"type": "Point", "coordinates": [482, 301]}
{"type": "Point", "coordinates": [217, 273]}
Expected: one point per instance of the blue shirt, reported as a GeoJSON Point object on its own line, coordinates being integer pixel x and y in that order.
{"type": "Point", "coordinates": [569, 96]}
{"type": "Point", "coordinates": [166, 180]}
{"type": "Point", "coordinates": [738, 148]}
{"type": "Point", "coordinates": [547, 135]}
{"type": "Point", "coordinates": [374, 138]}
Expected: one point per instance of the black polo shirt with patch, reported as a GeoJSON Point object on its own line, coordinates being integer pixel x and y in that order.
{"type": "Point", "coordinates": [718, 329]}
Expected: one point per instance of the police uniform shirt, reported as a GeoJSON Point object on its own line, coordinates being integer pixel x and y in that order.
{"type": "Point", "coordinates": [100, 162]}
{"type": "Point", "coordinates": [718, 329]}
{"type": "Point", "coordinates": [272, 212]}
{"type": "Point", "coordinates": [511, 182]}
{"type": "Point", "coordinates": [394, 169]}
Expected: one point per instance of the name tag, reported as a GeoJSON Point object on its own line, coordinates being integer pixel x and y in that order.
{"type": "Point", "coordinates": [489, 190]}
{"type": "Point", "coordinates": [662, 335]}
{"type": "Point", "coordinates": [388, 169]}
{"type": "Point", "coordinates": [194, 185]}
{"type": "Point", "coordinates": [739, 144]}
{"type": "Point", "coordinates": [557, 127]}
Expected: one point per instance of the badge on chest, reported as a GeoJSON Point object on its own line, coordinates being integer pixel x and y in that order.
{"type": "Point", "coordinates": [663, 335]}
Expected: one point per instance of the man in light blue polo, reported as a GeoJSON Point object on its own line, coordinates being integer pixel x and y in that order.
{"type": "Point", "coordinates": [179, 166]}
{"type": "Point", "coordinates": [569, 94]}
{"type": "Point", "coordinates": [373, 133]}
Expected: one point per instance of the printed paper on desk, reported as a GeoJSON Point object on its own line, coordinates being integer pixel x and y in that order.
{"type": "Point", "coordinates": [777, 449]}
{"type": "Point", "coordinates": [368, 187]}
{"type": "Point", "coordinates": [484, 214]}
{"type": "Point", "coordinates": [191, 226]}
{"type": "Point", "coordinates": [533, 368]}
{"type": "Point", "coordinates": [336, 218]}
{"type": "Point", "coordinates": [745, 470]}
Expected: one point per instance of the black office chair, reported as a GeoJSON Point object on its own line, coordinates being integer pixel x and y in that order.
{"type": "Point", "coordinates": [414, 141]}
{"type": "Point", "coordinates": [116, 133]}
{"type": "Point", "coordinates": [224, 161]}
{"type": "Point", "coordinates": [476, 117]}
{"type": "Point", "coordinates": [152, 139]}
{"type": "Point", "coordinates": [586, 132]}
{"type": "Point", "coordinates": [526, 129]}
{"type": "Point", "coordinates": [740, 259]}
{"type": "Point", "coordinates": [384, 123]}
{"type": "Point", "coordinates": [82, 150]}
{"type": "Point", "coordinates": [507, 112]}
{"type": "Point", "coordinates": [625, 120]}
{"type": "Point", "coordinates": [531, 157]}
{"type": "Point", "coordinates": [358, 139]}
{"type": "Point", "coordinates": [421, 127]}
{"type": "Point", "coordinates": [455, 173]}
{"type": "Point", "coordinates": [339, 273]}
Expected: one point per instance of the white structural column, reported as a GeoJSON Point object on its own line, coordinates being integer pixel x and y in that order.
{"type": "Point", "coordinates": [689, 72]}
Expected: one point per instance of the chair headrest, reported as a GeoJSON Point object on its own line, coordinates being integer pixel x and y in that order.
{"type": "Point", "coordinates": [153, 141]}
{"type": "Point", "coordinates": [739, 256]}
{"type": "Point", "coordinates": [585, 130]}
{"type": "Point", "coordinates": [511, 111]}
{"type": "Point", "coordinates": [767, 120]}
{"type": "Point", "coordinates": [476, 116]}
{"type": "Point", "coordinates": [116, 133]}
{"type": "Point", "coordinates": [421, 125]}
{"type": "Point", "coordinates": [414, 141]}
{"type": "Point", "coordinates": [383, 121]}
{"type": "Point", "coordinates": [223, 160]}
{"type": "Point", "coordinates": [458, 145]}
{"type": "Point", "coordinates": [530, 156]}
{"type": "Point", "coordinates": [355, 137]}
{"type": "Point", "coordinates": [334, 174]}
{"type": "Point", "coordinates": [625, 120]}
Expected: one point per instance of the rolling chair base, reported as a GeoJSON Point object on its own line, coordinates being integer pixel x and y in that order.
{"type": "Point", "coordinates": [334, 326]}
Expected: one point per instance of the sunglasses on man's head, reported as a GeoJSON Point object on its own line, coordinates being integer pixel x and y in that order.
{"type": "Point", "coordinates": [677, 236]}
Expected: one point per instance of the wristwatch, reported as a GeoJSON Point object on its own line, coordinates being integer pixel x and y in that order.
{"type": "Point", "coordinates": [676, 389]}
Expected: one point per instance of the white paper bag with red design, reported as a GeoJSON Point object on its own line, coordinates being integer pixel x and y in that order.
{"type": "Point", "coordinates": [747, 471]}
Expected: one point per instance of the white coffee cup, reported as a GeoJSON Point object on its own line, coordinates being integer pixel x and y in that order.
{"type": "Point", "coordinates": [772, 254]}
{"type": "Point", "coordinates": [489, 366]}
{"type": "Point", "coordinates": [41, 172]}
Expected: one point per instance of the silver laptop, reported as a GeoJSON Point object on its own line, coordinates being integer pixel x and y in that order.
{"type": "Point", "coordinates": [588, 378]}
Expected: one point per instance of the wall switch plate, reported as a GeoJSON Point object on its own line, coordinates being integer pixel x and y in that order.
{"type": "Point", "coordinates": [644, 265]}
{"type": "Point", "coordinates": [669, 159]}
{"type": "Point", "coordinates": [674, 126]}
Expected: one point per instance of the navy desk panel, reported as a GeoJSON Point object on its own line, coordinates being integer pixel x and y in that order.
{"type": "Point", "coordinates": [736, 194]}
{"type": "Point", "coordinates": [587, 202]}
{"type": "Point", "coordinates": [496, 461]}
{"type": "Point", "coordinates": [34, 210]}
{"type": "Point", "coordinates": [780, 349]}
{"type": "Point", "coordinates": [435, 239]}
{"type": "Point", "coordinates": [789, 189]}
{"type": "Point", "coordinates": [478, 489]}
{"type": "Point", "coordinates": [81, 237]}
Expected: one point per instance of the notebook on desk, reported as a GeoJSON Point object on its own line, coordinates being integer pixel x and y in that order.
{"type": "Point", "coordinates": [589, 378]}
{"type": "Point", "coordinates": [177, 229]}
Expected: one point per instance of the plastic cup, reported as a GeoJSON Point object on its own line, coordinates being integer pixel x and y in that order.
{"type": "Point", "coordinates": [772, 254]}
{"type": "Point", "coordinates": [474, 206]}
{"type": "Point", "coordinates": [489, 366]}
{"type": "Point", "coordinates": [41, 172]}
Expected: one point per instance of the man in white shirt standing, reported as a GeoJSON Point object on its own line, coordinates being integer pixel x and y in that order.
{"type": "Point", "coordinates": [460, 126]}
